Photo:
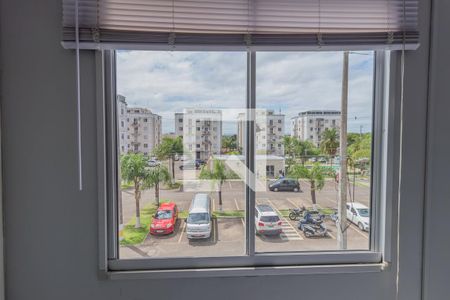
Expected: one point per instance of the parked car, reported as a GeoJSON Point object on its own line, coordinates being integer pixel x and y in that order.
{"type": "Point", "coordinates": [359, 214]}
{"type": "Point", "coordinates": [189, 165]}
{"type": "Point", "coordinates": [266, 220]}
{"type": "Point", "coordinates": [285, 184]}
{"type": "Point", "coordinates": [153, 163]}
{"type": "Point", "coordinates": [164, 219]}
{"type": "Point", "coordinates": [322, 160]}
{"type": "Point", "coordinates": [198, 222]}
{"type": "Point", "coordinates": [200, 162]}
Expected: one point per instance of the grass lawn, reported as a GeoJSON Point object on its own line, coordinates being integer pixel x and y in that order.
{"type": "Point", "coordinates": [132, 235]}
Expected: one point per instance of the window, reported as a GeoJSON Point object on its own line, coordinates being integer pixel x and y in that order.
{"type": "Point", "coordinates": [238, 105]}
{"type": "Point", "coordinates": [145, 145]}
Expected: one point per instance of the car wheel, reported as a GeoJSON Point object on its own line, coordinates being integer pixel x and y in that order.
{"type": "Point", "coordinates": [275, 189]}
{"type": "Point", "coordinates": [295, 189]}
{"type": "Point", "coordinates": [181, 167]}
{"type": "Point", "coordinates": [361, 226]}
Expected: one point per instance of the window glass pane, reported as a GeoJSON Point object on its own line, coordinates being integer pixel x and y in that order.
{"type": "Point", "coordinates": [181, 141]}
{"type": "Point", "coordinates": [298, 125]}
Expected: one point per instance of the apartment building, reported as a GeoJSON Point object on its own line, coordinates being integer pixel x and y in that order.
{"type": "Point", "coordinates": [122, 124]}
{"type": "Point", "coordinates": [201, 130]}
{"type": "Point", "coordinates": [269, 132]}
{"type": "Point", "coordinates": [309, 125]}
{"type": "Point", "coordinates": [139, 128]}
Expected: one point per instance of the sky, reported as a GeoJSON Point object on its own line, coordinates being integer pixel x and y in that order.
{"type": "Point", "coordinates": [287, 82]}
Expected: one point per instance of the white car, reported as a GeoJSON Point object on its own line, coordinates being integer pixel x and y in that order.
{"type": "Point", "coordinates": [359, 214]}
{"type": "Point", "coordinates": [266, 220]}
{"type": "Point", "coordinates": [153, 163]}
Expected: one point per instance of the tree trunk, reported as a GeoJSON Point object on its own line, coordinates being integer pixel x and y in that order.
{"type": "Point", "coordinates": [157, 194]}
{"type": "Point", "coordinates": [173, 168]}
{"type": "Point", "coordinates": [137, 197]}
{"type": "Point", "coordinates": [220, 196]}
{"type": "Point", "coordinates": [313, 194]}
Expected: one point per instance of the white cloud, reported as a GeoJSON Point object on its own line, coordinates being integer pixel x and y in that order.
{"type": "Point", "coordinates": [167, 82]}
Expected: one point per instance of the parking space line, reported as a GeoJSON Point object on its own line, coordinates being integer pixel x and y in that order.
{"type": "Point", "coordinates": [358, 231]}
{"type": "Point", "coordinates": [182, 231]}
{"type": "Point", "coordinates": [331, 235]}
{"type": "Point", "coordinates": [293, 233]}
{"type": "Point", "coordinates": [292, 202]}
{"type": "Point", "coordinates": [235, 202]}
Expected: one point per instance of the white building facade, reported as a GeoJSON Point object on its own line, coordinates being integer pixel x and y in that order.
{"type": "Point", "coordinates": [269, 129]}
{"type": "Point", "coordinates": [139, 129]}
{"type": "Point", "coordinates": [309, 125]}
{"type": "Point", "coordinates": [201, 130]}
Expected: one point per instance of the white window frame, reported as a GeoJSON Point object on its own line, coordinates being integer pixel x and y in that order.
{"type": "Point", "coordinates": [384, 196]}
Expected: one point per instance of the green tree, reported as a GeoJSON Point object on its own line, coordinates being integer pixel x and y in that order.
{"type": "Point", "coordinates": [156, 175]}
{"type": "Point", "coordinates": [294, 148]}
{"type": "Point", "coordinates": [360, 151]}
{"type": "Point", "coordinates": [330, 143]}
{"type": "Point", "coordinates": [229, 143]}
{"type": "Point", "coordinates": [134, 168]}
{"type": "Point", "coordinates": [315, 176]}
{"type": "Point", "coordinates": [168, 149]}
{"type": "Point", "coordinates": [218, 174]}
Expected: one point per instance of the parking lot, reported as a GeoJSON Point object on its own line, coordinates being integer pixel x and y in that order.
{"type": "Point", "coordinates": [228, 234]}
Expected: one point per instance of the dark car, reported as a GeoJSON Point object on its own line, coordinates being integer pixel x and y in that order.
{"type": "Point", "coordinates": [200, 162]}
{"type": "Point", "coordinates": [285, 184]}
{"type": "Point", "coordinates": [189, 165]}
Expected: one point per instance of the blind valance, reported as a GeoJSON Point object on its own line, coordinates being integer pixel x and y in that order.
{"type": "Point", "coordinates": [271, 24]}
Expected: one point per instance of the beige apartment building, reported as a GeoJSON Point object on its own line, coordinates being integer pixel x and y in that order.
{"type": "Point", "coordinates": [139, 129]}
{"type": "Point", "coordinates": [201, 130]}
{"type": "Point", "coordinates": [269, 132]}
{"type": "Point", "coordinates": [309, 125]}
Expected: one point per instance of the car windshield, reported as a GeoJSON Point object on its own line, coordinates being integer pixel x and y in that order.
{"type": "Point", "coordinates": [270, 219]}
{"type": "Point", "coordinates": [363, 212]}
{"type": "Point", "coordinates": [163, 214]}
{"type": "Point", "coordinates": [198, 218]}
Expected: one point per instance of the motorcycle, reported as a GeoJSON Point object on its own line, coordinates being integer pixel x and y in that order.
{"type": "Point", "coordinates": [312, 225]}
{"type": "Point", "coordinates": [296, 213]}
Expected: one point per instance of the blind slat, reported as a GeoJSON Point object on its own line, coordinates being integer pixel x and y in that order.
{"type": "Point", "coordinates": [268, 22]}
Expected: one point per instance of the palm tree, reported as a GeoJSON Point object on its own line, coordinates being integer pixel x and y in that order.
{"type": "Point", "coordinates": [134, 168]}
{"type": "Point", "coordinates": [157, 175]}
{"type": "Point", "coordinates": [291, 145]}
{"type": "Point", "coordinates": [168, 149]}
{"type": "Point", "coordinates": [218, 174]}
{"type": "Point", "coordinates": [330, 143]}
{"type": "Point", "coordinates": [315, 175]}
{"type": "Point", "coordinates": [229, 143]}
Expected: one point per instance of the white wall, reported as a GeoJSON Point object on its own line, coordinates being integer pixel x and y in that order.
{"type": "Point", "coordinates": [51, 227]}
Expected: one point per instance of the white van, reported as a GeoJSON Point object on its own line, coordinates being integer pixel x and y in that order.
{"type": "Point", "coordinates": [198, 222]}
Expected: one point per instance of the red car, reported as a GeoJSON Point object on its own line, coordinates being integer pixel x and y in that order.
{"type": "Point", "coordinates": [164, 219]}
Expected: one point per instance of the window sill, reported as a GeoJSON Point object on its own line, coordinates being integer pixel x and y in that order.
{"type": "Point", "coordinates": [248, 271]}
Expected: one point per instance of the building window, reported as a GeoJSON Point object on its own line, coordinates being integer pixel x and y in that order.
{"type": "Point", "coordinates": [145, 120]}
{"type": "Point", "coordinates": [145, 145]}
